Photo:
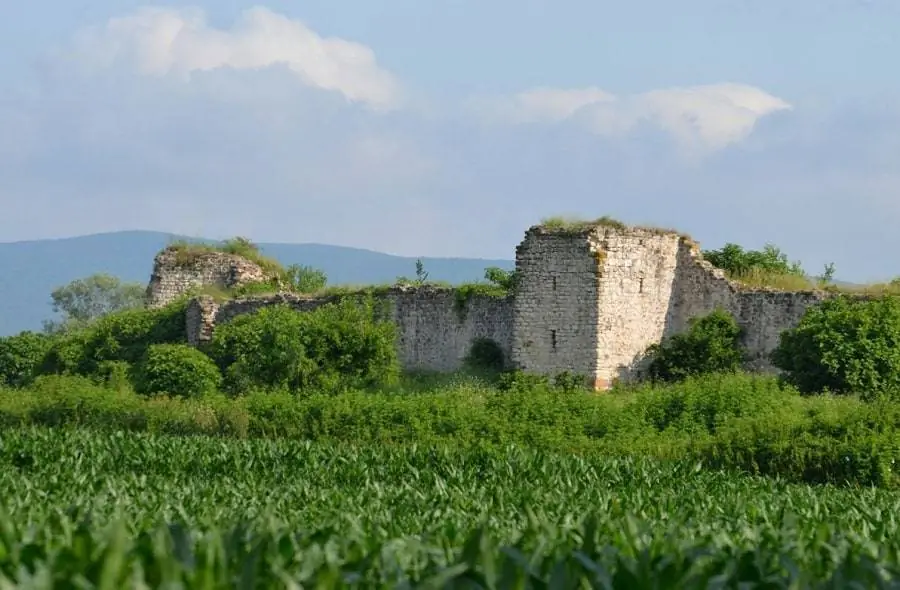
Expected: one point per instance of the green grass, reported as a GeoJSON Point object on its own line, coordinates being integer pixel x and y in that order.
{"type": "Point", "coordinates": [741, 423]}
{"type": "Point", "coordinates": [120, 510]}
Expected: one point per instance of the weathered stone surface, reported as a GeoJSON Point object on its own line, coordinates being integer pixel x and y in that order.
{"type": "Point", "coordinates": [589, 302]}
{"type": "Point", "coordinates": [434, 329]}
{"type": "Point", "coordinates": [592, 301]}
{"type": "Point", "coordinates": [175, 274]}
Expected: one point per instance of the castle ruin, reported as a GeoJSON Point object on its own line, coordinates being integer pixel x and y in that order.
{"type": "Point", "coordinates": [589, 300]}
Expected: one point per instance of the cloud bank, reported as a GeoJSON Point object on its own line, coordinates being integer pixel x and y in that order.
{"type": "Point", "coordinates": [158, 120]}
{"type": "Point", "coordinates": [708, 117]}
{"type": "Point", "coordinates": [163, 41]}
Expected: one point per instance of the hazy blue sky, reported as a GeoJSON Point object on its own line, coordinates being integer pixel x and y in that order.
{"type": "Point", "coordinates": [447, 127]}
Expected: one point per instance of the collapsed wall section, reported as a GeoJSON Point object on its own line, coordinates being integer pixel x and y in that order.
{"type": "Point", "coordinates": [763, 314]}
{"type": "Point", "coordinates": [435, 326]}
{"type": "Point", "coordinates": [555, 309]}
{"type": "Point", "coordinates": [176, 272]}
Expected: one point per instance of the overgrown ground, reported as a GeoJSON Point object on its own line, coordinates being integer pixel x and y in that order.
{"type": "Point", "coordinates": [643, 488]}
{"type": "Point", "coordinates": [741, 423]}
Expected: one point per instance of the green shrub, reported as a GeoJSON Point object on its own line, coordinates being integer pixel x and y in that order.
{"type": "Point", "coordinates": [844, 345]}
{"type": "Point", "coordinates": [305, 279]}
{"type": "Point", "coordinates": [120, 336]}
{"type": "Point", "coordinates": [337, 346]}
{"type": "Point", "coordinates": [518, 381]}
{"type": "Point", "coordinates": [568, 382]}
{"type": "Point", "coordinates": [116, 375]}
{"type": "Point", "coordinates": [737, 262]}
{"type": "Point", "coordinates": [176, 369]}
{"type": "Point", "coordinates": [485, 355]}
{"type": "Point", "coordinates": [506, 279]}
{"type": "Point", "coordinates": [710, 345]}
{"type": "Point", "coordinates": [21, 356]}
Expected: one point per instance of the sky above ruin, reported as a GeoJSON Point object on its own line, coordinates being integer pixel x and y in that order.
{"type": "Point", "coordinates": [446, 128]}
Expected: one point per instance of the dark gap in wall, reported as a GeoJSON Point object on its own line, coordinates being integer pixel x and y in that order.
{"type": "Point", "coordinates": [553, 339]}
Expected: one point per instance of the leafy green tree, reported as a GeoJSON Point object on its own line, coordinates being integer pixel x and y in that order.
{"type": "Point", "coordinates": [844, 345]}
{"type": "Point", "coordinates": [711, 345]}
{"type": "Point", "coordinates": [20, 357]}
{"type": "Point", "coordinates": [85, 300]}
{"type": "Point", "coordinates": [506, 279]}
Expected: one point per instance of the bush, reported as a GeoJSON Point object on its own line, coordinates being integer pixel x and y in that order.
{"type": "Point", "coordinates": [21, 356]}
{"type": "Point", "coordinates": [337, 346]}
{"type": "Point", "coordinates": [176, 369]}
{"type": "Point", "coordinates": [737, 262]}
{"type": "Point", "coordinates": [844, 345]}
{"type": "Point", "coordinates": [305, 279]}
{"type": "Point", "coordinates": [485, 355]}
{"type": "Point", "coordinates": [711, 345]}
{"type": "Point", "coordinates": [121, 336]}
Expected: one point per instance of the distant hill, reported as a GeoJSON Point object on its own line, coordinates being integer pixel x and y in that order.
{"type": "Point", "coordinates": [29, 271]}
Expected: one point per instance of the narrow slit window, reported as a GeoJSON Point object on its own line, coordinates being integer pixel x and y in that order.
{"type": "Point", "coordinates": [553, 339]}
{"type": "Point", "coordinates": [640, 285]}
{"type": "Point", "coordinates": [554, 283]}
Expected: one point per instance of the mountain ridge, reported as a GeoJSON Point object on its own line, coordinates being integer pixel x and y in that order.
{"type": "Point", "coordinates": [31, 269]}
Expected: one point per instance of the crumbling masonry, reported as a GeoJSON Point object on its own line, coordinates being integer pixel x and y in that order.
{"type": "Point", "coordinates": [590, 300]}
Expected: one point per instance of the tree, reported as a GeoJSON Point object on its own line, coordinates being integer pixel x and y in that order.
{"type": "Point", "coordinates": [844, 345]}
{"type": "Point", "coordinates": [306, 279]}
{"type": "Point", "coordinates": [90, 298]}
{"type": "Point", "coordinates": [421, 273]}
{"type": "Point", "coordinates": [507, 279]}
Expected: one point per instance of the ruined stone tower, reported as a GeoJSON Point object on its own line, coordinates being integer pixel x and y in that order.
{"type": "Point", "coordinates": [177, 271]}
{"type": "Point", "coordinates": [593, 297]}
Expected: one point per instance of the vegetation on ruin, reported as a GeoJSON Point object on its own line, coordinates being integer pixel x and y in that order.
{"type": "Point", "coordinates": [767, 268]}
{"type": "Point", "coordinates": [565, 224]}
{"type": "Point", "coordinates": [188, 253]}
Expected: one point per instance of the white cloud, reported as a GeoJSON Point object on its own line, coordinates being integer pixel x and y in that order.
{"type": "Point", "coordinates": [706, 117]}
{"type": "Point", "coordinates": [163, 41]}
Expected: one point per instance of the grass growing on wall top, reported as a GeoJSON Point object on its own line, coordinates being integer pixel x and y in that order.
{"type": "Point", "coordinates": [575, 224]}
{"type": "Point", "coordinates": [187, 253]}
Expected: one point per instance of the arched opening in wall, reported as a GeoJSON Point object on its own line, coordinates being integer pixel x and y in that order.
{"type": "Point", "coordinates": [485, 356]}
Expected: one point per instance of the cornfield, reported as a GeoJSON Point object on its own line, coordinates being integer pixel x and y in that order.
{"type": "Point", "coordinates": [84, 509]}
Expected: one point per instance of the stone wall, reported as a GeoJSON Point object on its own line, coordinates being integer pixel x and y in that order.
{"type": "Point", "coordinates": [176, 272]}
{"type": "Point", "coordinates": [763, 314]}
{"type": "Point", "coordinates": [635, 299]}
{"type": "Point", "coordinates": [555, 309]}
{"type": "Point", "coordinates": [589, 301]}
{"type": "Point", "coordinates": [435, 329]}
